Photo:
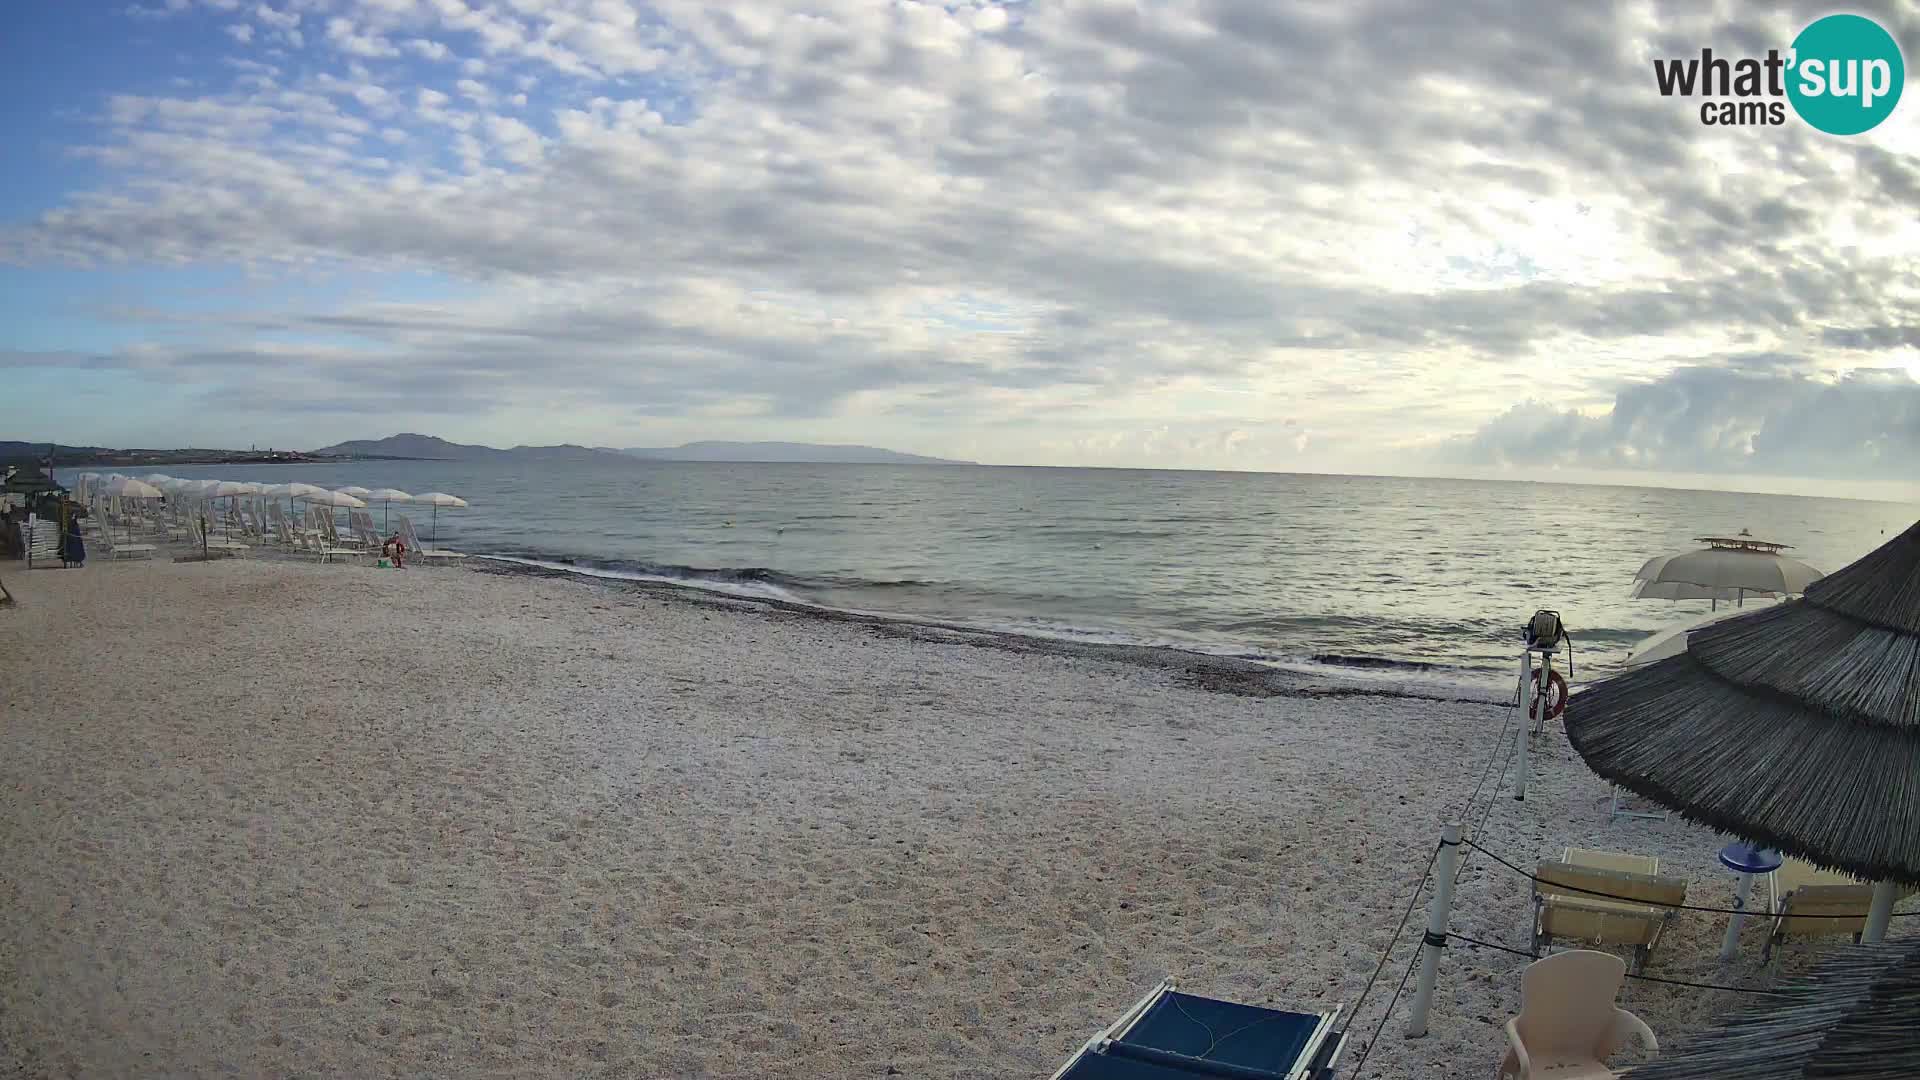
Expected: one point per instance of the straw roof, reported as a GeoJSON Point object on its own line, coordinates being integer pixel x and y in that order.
{"type": "Point", "coordinates": [29, 480]}
{"type": "Point", "coordinates": [1796, 726]}
{"type": "Point", "coordinates": [1852, 1015]}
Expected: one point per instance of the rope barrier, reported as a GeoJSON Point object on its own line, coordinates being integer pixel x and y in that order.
{"type": "Point", "coordinates": [1413, 900]}
{"type": "Point", "coordinates": [1479, 827]}
{"type": "Point", "coordinates": [1559, 887]}
{"type": "Point", "coordinates": [1709, 986]}
{"type": "Point", "coordinates": [1643, 978]}
{"type": "Point", "coordinates": [1499, 741]}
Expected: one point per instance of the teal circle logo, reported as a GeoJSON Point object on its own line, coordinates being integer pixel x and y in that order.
{"type": "Point", "coordinates": [1846, 74]}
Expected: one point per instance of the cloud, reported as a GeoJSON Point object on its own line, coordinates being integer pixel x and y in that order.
{"type": "Point", "coordinates": [349, 39]}
{"type": "Point", "coordinates": [1863, 425]}
{"type": "Point", "coordinates": [1038, 225]}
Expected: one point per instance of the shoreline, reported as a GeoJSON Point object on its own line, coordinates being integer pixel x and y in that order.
{"type": "Point", "coordinates": [1207, 671]}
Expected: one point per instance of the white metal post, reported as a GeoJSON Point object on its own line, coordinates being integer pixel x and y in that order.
{"type": "Point", "coordinates": [1730, 945]}
{"type": "Point", "coordinates": [1438, 914]}
{"type": "Point", "coordinates": [1520, 729]}
{"type": "Point", "coordinates": [1880, 913]}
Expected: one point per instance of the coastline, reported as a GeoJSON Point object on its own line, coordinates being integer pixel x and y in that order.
{"type": "Point", "coordinates": [269, 817]}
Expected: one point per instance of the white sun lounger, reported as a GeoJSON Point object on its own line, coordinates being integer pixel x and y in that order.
{"type": "Point", "coordinates": [416, 548]}
{"type": "Point", "coordinates": [327, 539]}
{"type": "Point", "coordinates": [122, 546]}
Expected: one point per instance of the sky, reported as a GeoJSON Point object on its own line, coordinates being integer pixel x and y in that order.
{"type": "Point", "coordinates": [1357, 236]}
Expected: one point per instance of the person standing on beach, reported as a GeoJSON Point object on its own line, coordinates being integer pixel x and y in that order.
{"type": "Point", "coordinates": [73, 547]}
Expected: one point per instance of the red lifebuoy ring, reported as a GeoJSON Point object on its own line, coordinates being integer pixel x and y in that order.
{"type": "Point", "coordinates": [1556, 697]}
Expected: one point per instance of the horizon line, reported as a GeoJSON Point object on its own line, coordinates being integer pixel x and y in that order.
{"type": "Point", "coordinates": [1648, 482]}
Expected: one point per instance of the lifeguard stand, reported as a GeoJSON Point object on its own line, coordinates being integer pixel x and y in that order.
{"type": "Point", "coordinates": [1544, 636]}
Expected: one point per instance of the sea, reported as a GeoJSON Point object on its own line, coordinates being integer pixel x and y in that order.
{"type": "Point", "coordinates": [1370, 577]}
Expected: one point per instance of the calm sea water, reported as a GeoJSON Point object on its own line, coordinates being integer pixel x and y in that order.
{"type": "Point", "coordinates": [1368, 573]}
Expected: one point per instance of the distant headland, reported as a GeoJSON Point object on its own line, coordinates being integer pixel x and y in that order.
{"type": "Point", "coordinates": [412, 447]}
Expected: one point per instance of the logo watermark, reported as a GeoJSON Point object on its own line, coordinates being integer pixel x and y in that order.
{"type": "Point", "coordinates": [1843, 75]}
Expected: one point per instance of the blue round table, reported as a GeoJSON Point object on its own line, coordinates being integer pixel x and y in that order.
{"type": "Point", "coordinates": [1745, 860]}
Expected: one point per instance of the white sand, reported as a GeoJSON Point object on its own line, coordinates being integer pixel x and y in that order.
{"type": "Point", "coordinates": [269, 818]}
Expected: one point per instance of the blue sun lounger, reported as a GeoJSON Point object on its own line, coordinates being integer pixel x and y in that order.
{"type": "Point", "coordinates": [1173, 1036]}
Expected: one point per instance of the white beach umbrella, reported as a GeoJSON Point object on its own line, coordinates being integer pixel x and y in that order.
{"type": "Point", "coordinates": [288, 492]}
{"type": "Point", "coordinates": [324, 497]}
{"type": "Point", "coordinates": [386, 496]}
{"type": "Point", "coordinates": [356, 492]}
{"type": "Point", "coordinates": [1680, 590]}
{"type": "Point", "coordinates": [126, 487]}
{"type": "Point", "coordinates": [156, 479]}
{"type": "Point", "coordinates": [227, 489]}
{"type": "Point", "coordinates": [438, 499]}
{"type": "Point", "coordinates": [1740, 563]}
{"type": "Point", "coordinates": [292, 491]}
{"type": "Point", "coordinates": [1672, 641]}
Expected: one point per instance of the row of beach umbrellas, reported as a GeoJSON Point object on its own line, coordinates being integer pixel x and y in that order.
{"type": "Point", "coordinates": [160, 486]}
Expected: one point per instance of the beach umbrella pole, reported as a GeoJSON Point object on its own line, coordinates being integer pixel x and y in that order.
{"type": "Point", "coordinates": [1439, 912]}
{"type": "Point", "coordinates": [1880, 914]}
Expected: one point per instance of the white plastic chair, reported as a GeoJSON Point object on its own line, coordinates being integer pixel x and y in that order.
{"type": "Point", "coordinates": [1568, 1024]}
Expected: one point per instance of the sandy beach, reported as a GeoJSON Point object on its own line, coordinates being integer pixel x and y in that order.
{"type": "Point", "coordinates": [265, 818]}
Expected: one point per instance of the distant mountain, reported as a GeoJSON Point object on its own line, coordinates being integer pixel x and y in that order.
{"type": "Point", "coordinates": [13, 450]}
{"type": "Point", "coordinates": [431, 448]}
{"type": "Point", "coordinates": [784, 451]}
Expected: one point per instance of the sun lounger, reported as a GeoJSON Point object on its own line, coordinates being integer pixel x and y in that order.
{"type": "Point", "coordinates": [210, 543]}
{"type": "Point", "coordinates": [1798, 891]}
{"type": "Point", "coordinates": [416, 548]}
{"type": "Point", "coordinates": [327, 543]}
{"type": "Point", "coordinates": [122, 546]}
{"type": "Point", "coordinates": [1568, 1024]}
{"type": "Point", "coordinates": [1565, 905]}
{"type": "Point", "coordinates": [1173, 1036]}
{"type": "Point", "coordinates": [364, 534]}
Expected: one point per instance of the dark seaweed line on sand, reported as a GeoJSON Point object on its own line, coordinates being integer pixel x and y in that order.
{"type": "Point", "coordinates": [1216, 674]}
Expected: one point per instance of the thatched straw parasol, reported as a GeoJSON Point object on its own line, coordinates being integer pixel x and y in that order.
{"type": "Point", "coordinates": [1796, 726]}
{"type": "Point", "coordinates": [1851, 1016]}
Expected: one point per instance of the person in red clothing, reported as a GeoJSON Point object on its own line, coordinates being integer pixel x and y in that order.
{"type": "Point", "coordinates": [396, 549]}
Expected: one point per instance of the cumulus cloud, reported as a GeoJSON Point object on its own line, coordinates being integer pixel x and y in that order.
{"type": "Point", "coordinates": [1864, 424]}
{"type": "Point", "coordinates": [1041, 227]}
